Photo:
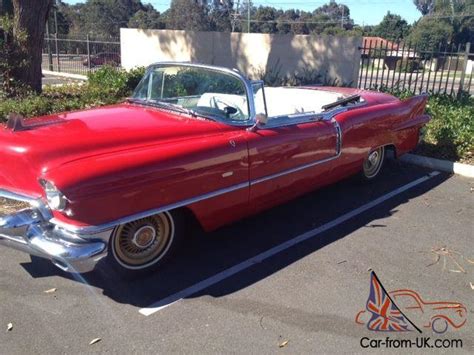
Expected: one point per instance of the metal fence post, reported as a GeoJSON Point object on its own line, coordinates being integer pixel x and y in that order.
{"type": "Point", "coordinates": [464, 68]}
{"type": "Point", "coordinates": [56, 38]}
{"type": "Point", "coordinates": [88, 53]}
{"type": "Point", "coordinates": [57, 51]}
{"type": "Point", "coordinates": [48, 42]}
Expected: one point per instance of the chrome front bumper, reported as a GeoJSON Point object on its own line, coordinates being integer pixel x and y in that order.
{"type": "Point", "coordinates": [29, 231]}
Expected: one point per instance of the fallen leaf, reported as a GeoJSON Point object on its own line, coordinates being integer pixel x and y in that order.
{"type": "Point", "coordinates": [52, 290]}
{"type": "Point", "coordinates": [95, 341]}
{"type": "Point", "coordinates": [472, 285]}
{"type": "Point", "coordinates": [285, 343]}
{"type": "Point", "coordinates": [9, 327]}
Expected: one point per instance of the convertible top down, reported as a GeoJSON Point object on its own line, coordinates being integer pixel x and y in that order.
{"type": "Point", "coordinates": [118, 183]}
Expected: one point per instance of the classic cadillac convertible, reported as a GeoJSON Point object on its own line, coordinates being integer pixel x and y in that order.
{"type": "Point", "coordinates": [119, 183]}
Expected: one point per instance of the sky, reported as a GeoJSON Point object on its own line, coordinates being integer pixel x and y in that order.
{"type": "Point", "coordinates": [364, 12]}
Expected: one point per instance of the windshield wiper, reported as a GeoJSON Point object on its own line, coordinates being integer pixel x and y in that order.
{"type": "Point", "coordinates": [343, 102]}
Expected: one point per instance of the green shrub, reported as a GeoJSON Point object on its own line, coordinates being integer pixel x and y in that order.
{"type": "Point", "coordinates": [452, 123]}
{"type": "Point", "coordinates": [105, 86]}
{"type": "Point", "coordinates": [450, 133]}
{"type": "Point", "coordinates": [117, 82]}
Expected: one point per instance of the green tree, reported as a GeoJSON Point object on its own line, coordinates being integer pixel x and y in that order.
{"type": "Point", "coordinates": [187, 15]}
{"type": "Point", "coordinates": [146, 19]}
{"type": "Point", "coordinates": [453, 14]}
{"type": "Point", "coordinates": [424, 6]}
{"type": "Point", "coordinates": [334, 31]}
{"type": "Point", "coordinates": [63, 21]}
{"type": "Point", "coordinates": [220, 15]}
{"type": "Point", "coordinates": [428, 34]}
{"type": "Point", "coordinates": [104, 18]}
{"type": "Point", "coordinates": [285, 20]}
{"type": "Point", "coordinates": [266, 17]}
{"type": "Point", "coordinates": [334, 14]}
{"type": "Point", "coordinates": [392, 27]}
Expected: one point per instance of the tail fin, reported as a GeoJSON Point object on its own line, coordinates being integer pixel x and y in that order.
{"type": "Point", "coordinates": [417, 104]}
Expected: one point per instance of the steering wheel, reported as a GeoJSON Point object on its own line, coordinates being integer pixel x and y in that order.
{"type": "Point", "coordinates": [213, 111]}
{"type": "Point", "coordinates": [225, 107]}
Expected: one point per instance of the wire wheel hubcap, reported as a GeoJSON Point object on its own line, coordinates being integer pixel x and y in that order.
{"type": "Point", "coordinates": [140, 243]}
{"type": "Point", "coordinates": [373, 163]}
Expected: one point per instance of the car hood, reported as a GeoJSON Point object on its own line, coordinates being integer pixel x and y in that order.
{"type": "Point", "coordinates": [50, 141]}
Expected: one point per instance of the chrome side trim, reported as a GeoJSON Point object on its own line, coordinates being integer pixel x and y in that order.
{"type": "Point", "coordinates": [110, 225]}
{"type": "Point", "coordinates": [17, 197]}
{"type": "Point", "coordinates": [308, 117]}
{"type": "Point", "coordinates": [88, 230]}
{"type": "Point", "coordinates": [293, 170]}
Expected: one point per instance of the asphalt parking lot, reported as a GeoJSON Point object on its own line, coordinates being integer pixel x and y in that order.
{"type": "Point", "coordinates": [301, 295]}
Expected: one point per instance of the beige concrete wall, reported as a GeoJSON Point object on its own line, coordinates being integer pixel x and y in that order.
{"type": "Point", "coordinates": [336, 58]}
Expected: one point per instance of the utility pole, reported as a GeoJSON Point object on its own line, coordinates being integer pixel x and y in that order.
{"type": "Point", "coordinates": [235, 16]}
{"type": "Point", "coordinates": [342, 17]}
{"type": "Point", "coordinates": [248, 16]}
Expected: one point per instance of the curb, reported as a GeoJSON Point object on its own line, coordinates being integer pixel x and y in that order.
{"type": "Point", "coordinates": [438, 164]}
{"type": "Point", "coordinates": [65, 75]}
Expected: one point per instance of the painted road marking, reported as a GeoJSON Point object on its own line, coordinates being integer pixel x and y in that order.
{"type": "Point", "coordinates": [168, 301]}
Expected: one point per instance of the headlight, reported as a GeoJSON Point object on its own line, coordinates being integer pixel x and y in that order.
{"type": "Point", "coordinates": [55, 198]}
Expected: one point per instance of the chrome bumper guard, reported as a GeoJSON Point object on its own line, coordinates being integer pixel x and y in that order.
{"type": "Point", "coordinates": [29, 231]}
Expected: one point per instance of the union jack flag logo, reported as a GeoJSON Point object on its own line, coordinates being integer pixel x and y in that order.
{"type": "Point", "coordinates": [385, 315]}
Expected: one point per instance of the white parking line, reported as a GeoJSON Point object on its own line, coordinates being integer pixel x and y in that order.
{"type": "Point", "coordinates": [168, 301]}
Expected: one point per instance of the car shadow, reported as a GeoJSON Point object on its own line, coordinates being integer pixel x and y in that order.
{"type": "Point", "coordinates": [207, 254]}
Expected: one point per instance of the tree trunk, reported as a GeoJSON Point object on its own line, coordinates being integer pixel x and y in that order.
{"type": "Point", "coordinates": [30, 17]}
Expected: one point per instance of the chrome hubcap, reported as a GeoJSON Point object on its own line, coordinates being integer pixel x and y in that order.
{"type": "Point", "coordinates": [142, 242]}
{"type": "Point", "coordinates": [373, 163]}
{"type": "Point", "coordinates": [373, 158]}
{"type": "Point", "coordinates": [144, 237]}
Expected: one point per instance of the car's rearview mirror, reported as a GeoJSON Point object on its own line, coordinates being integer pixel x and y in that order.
{"type": "Point", "coordinates": [262, 119]}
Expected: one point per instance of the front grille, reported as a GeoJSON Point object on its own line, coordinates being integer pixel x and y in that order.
{"type": "Point", "coordinates": [8, 206]}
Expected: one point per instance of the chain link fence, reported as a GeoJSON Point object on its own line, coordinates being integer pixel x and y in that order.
{"type": "Point", "coordinates": [79, 55]}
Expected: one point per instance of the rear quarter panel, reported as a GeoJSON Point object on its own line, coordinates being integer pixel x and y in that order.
{"type": "Point", "coordinates": [394, 123]}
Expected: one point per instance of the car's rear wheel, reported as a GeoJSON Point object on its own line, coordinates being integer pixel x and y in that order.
{"type": "Point", "coordinates": [142, 246]}
{"type": "Point", "coordinates": [439, 325]}
{"type": "Point", "coordinates": [373, 164]}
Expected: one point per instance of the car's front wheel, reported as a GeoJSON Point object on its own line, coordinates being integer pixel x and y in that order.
{"type": "Point", "coordinates": [373, 164]}
{"type": "Point", "coordinates": [144, 245]}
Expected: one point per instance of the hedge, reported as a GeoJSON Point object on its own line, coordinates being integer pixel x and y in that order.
{"type": "Point", "coordinates": [105, 86]}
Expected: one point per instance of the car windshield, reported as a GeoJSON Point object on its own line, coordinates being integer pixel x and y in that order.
{"type": "Point", "coordinates": [200, 91]}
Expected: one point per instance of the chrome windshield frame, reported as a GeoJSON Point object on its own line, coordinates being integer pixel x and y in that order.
{"type": "Point", "coordinates": [232, 72]}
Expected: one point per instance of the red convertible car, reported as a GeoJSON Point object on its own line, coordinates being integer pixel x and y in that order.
{"type": "Point", "coordinates": [194, 141]}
